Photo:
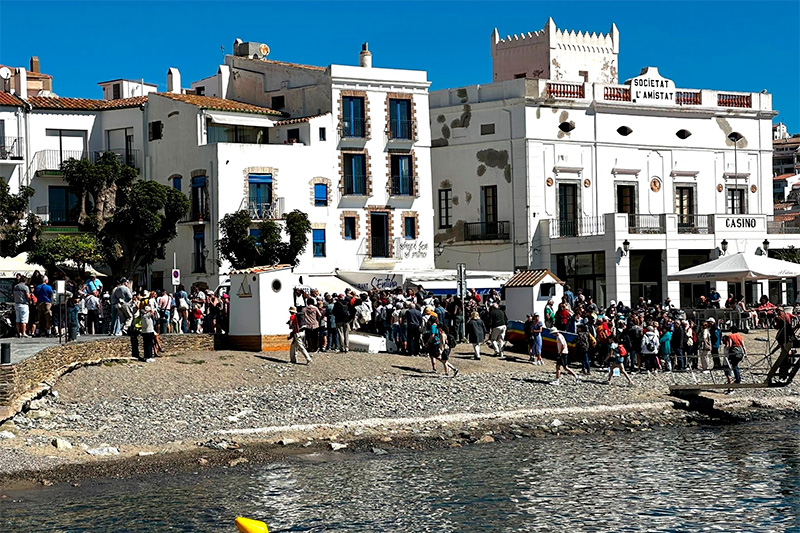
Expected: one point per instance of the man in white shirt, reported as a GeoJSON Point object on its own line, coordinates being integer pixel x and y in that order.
{"type": "Point", "coordinates": [562, 353]}
{"type": "Point", "coordinates": [92, 303]}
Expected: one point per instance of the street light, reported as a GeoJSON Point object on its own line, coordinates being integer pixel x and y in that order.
{"type": "Point", "coordinates": [439, 249]}
{"type": "Point", "coordinates": [735, 136]}
{"type": "Point", "coordinates": [626, 246]}
{"type": "Point", "coordinates": [724, 245]}
{"type": "Point", "coordinates": [765, 246]}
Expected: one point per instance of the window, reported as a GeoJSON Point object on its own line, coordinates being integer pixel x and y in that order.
{"type": "Point", "coordinates": [228, 133]}
{"type": "Point", "coordinates": [320, 194]}
{"type": "Point", "coordinates": [410, 228]}
{"type": "Point", "coordinates": [352, 116]}
{"type": "Point", "coordinates": [318, 237]}
{"type": "Point", "coordinates": [349, 228]}
{"type": "Point", "coordinates": [487, 129]}
{"type": "Point", "coordinates": [567, 209]}
{"type": "Point", "coordinates": [199, 202]}
{"type": "Point", "coordinates": [399, 118]}
{"type": "Point", "coordinates": [200, 91]}
{"type": "Point", "coordinates": [176, 183]}
{"type": "Point", "coordinates": [736, 201]}
{"type": "Point", "coordinates": [61, 205]}
{"type": "Point", "coordinates": [200, 252]}
{"type": "Point", "coordinates": [322, 134]}
{"type": "Point", "coordinates": [626, 199]}
{"type": "Point", "coordinates": [586, 271]}
{"type": "Point", "coordinates": [519, 76]}
{"type": "Point", "coordinates": [116, 92]}
{"type": "Point", "coordinates": [445, 208]}
{"type": "Point", "coordinates": [684, 206]}
{"type": "Point", "coordinates": [683, 134]}
{"type": "Point", "coordinates": [293, 135]}
{"type": "Point", "coordinates": [355, 179]}
{"type": "Point", "coordinates": [489, 204]}
{"type": "Point", "coordinates": [260, 196]}
{"type": "Point", "coordinates": [278, 102]}
{"type": "Point", "coordinates": [566, 127]}
{"type": "Point", "coordinates": [402, 180]}
{"type": "Point", "coordinates": [255, 233]}
{"type": "Point", "coordinates": [624, 131]}
{"type": "Point", "coordinates": [71, 143]}
{"type": "Point", "coordinates": [155, 130]}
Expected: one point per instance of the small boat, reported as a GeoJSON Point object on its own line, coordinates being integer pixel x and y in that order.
{"type": "Point", "coordinates": [516, 336]}
{"type": "Point", "coordinates": [247, 525]}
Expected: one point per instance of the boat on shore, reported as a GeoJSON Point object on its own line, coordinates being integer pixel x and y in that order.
{"type": "Point", "coordinates": [516, 336]}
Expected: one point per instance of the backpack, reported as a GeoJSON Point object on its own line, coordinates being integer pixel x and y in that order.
{"type": "Point", "coordinates": [603, 334]}
{"type": "Point", "coordinates": [650, 343]}
{"type": "Point", "coordinates": [592, 340]}
{"type": "Point", "coordinates": [621, 351]}
{"type": "Point", "coordinates": [582, 342]}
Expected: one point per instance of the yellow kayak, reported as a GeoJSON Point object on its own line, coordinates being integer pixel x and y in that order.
{"type": "Point", "coordinates": [246, 525]}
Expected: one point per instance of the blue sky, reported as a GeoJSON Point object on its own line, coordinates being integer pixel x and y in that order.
{"type": "Point", "coordinates": [728, 45]}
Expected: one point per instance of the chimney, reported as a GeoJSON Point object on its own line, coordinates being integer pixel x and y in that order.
{"type": "Point", "coordinates": [223, 78]}
{"type": "Point", "coordinates": [173, 81]}
{"type": "Point", "coordinates": [365, 57]}
{"type": "Point", "coordinates": [34, 63]}
{"type": "Point", "coordinates": [21, 82]}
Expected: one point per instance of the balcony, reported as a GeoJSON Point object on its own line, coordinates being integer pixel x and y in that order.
{"type": "Point", "coordinates": [565, 90]}
{"type": "Point", "coordinates": [402, 186]}
{"type": "Point", "coordinates": [196, 216]}
{"type": "Point", "coordinates": [12, 149]}
{"type": "Point", "coordinates": [58, 219]}
{"type": "Point", "coordinates": [688, 97]}
{"type": "Point", "coordinates": [352, 128]}
{"type": "Point", "coordinates": [580, 227]}
{"type": "Point", "coordinates": [400, 130]}
{"type": "Point", "coordinates": [617, 94]}
{"type": "Point", "coordinates": [734, 100]}
{"type": "Point", "coordinates": [266, 211]}
{"type": "Point", "coordinates": [647, 224]}
{"type": "Point", "coordinates": [696, 224]}
{"type": "Point", "coordinates": [48, 162]}
{"type": "Point", "coordinates": [125, 157]}
{"type": "Point", "coordinates": [355, 185]}
{"type": "Point", "coordinates": [781, 227]}
{"type": "Point", "coordinates": [487, 231]}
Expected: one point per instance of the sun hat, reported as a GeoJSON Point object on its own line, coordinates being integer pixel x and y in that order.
{"type": "Point", "coordinates": [293, 309]}
{"type": "Point", "coordinates": [710, 320]}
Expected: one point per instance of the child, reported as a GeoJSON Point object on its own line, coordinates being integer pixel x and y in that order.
{"type": "Point", "coordinates": [616, 359]}
{"type": "Point", "coordinates": [72, 319]}
{"type": "Point", "coordinates": [448, 344]}
{"type": "Point", "coordinates": [198, 319]}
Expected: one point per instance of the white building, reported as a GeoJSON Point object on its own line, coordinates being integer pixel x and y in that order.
{"type": "Point", "coordinates": [348, 145]}
{"type": "Point", "coordinates": [612, 186]}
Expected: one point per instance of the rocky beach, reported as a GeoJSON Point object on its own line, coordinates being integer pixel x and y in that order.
{"type": "Point", "coordinates": [227, 408]}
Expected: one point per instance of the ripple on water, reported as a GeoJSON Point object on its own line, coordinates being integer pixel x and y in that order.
{"type": "Point", "coordinates": [744, 477]}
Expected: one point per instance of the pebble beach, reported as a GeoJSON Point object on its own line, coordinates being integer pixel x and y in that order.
{"type": "Point", "coordinates": [187, 407]}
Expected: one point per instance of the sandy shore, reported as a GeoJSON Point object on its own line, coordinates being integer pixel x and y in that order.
{"type": "Point", "coordinates": [228, 408]}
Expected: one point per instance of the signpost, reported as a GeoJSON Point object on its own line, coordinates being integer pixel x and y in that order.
{"type": "Point", "coordinates": [461, 292]}
{"type": "Point", "coordinates": [176, 277]}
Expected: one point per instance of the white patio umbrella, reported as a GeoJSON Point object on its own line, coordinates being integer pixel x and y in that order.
{"type": "Point", "coordinates": [738, 267]}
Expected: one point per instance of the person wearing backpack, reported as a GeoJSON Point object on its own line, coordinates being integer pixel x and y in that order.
{"type": "Point", "coordinates": [616, 359]}
{"type": "Point", "coordinates": [650, 349]}
{"type": "Point", "coordinates": [716, 342]}
{"type": "Point", "coordinates": [448, 343]}
{"type": "Point", "coordinates": [603, 341]}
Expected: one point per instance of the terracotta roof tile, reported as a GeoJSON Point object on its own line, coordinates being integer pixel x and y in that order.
{"type": "Point", "coordinates": [10, 99]}
{"type": "Point", "coordinates": [298, 120]}
{"type": "Point", "coordinates": [783, 176]}
{"type": "Point", "coordinates": [529, 278]}
{"type": "Point", "coordinates": [257, 269]}
{"type": "Point", "coordinates": [783, 205]}
{"type": "Point", "coordinates": [45, 102]}
{"type": "Point", "coordinates": [134, 101]}
{"type": "Point", "coordinates": [787, 217]}
{"type": "Point", "coordinates": [221, 104]}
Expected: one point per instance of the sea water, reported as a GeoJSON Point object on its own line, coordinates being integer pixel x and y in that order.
{"type": "Point", "coordinates": [743, 477]}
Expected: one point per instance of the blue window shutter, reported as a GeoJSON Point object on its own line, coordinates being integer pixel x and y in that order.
{"type": "Point", "coordinates": [259, 178]}
{"type": "Point", "coordinates": [320, 194]}
{"type": "Point", "coordinates": [199, 181]}
{"type": "Point", "coordinates": [318, 239]}
{"type": "Point", "coordinates": [176, 183]}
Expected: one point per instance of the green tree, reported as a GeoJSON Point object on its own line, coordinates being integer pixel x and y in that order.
{"type": "Point", "coordinates": [243, 250]}
{"type": "Point", "coordinates": [789, 254]}
{"type": "Point", "coordinates": [19, 229]}
{"type": "Point", "coordinates": [132, 219]}
{"type": "Point", "coordinates": [81, 248]}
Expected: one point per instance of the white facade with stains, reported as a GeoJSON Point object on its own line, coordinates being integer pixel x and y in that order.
{"type": "Point", "coordinates": [570, 171]}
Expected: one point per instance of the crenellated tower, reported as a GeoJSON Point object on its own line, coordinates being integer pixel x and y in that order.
{"type": "Point", "coordinates": [556, 54]}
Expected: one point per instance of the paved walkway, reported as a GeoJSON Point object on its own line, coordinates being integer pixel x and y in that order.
{"type": "Point", "coordinates": [21, 349]}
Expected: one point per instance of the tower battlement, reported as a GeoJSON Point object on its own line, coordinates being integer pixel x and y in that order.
{"type": "Point", "coordinates": [558, 54]}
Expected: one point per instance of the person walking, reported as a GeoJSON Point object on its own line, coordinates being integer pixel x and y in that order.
{"type": "Point", "coordinates": [583, 347]}
{"type": "Point", "coordinates": [716, 342]}
{"type": "Point", "coordinates": [498, 323]}
{"type": "Point", "coordinates": [736, 352]}
{"type": "Point", "coordinates": [476, 333]}
{"type": "Point", "coordinates": [616, 359]}
{"type": "Point", "coordinates": [296, 336]}
{"type": "Point", "coordinates": [433, 341]}
{"type": "Point", "coordinates": [22, 299]}
{"type": "Point", "coordinates": [44, 307]}
{"type": "Point", "coordinates": [562, 357]}
{"type": "Point", "coordinates": [705, 348]}
{"type": "Point", "coordinates": [649, 349]}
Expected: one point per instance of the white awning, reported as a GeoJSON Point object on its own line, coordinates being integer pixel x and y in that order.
{"type": "Point", "coordinates": [327, 283]}
{"type": "Point", "coordinates": [241, 119]}
{"type": "Point", "coordinates": [738, 267]}
{"type": "Point", "coordinates": [10, 266]}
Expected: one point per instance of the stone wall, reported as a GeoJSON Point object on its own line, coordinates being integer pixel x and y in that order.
{"type": "Point", "coordinates": [39, 372]}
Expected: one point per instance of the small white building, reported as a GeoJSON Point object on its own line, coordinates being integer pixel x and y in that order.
{"type": "Point", "coordinates": [612, 186]}
{"type": "Point", "coordinates": [528, 292]}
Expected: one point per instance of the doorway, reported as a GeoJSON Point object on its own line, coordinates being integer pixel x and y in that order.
{"type": "Point", "coordinates": [379, 228]}
{"type": "Point", "coordinates": [567, 209]}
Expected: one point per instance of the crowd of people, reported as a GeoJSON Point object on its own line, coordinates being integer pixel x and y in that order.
{"type": "Point", "coordinates": [92, 309]}
{"type": "Point", "coordinates": [414, 322]}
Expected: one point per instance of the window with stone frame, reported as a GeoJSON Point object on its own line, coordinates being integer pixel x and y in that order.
{"type": "Point", "coordinates": [402, 174]}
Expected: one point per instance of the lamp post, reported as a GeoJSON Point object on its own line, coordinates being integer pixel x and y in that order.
{"type": "Point", "coordinates": [765, 247]}
{"type": "Point", "coordinates": [626, 246]}
{"type": "Point", "coordinates": [735, 136]}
